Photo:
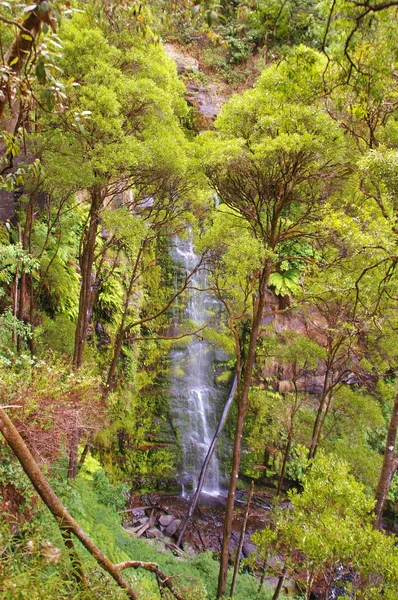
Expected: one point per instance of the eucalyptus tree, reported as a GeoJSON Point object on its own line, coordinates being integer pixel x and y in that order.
{"type": "Point", "coordinates": [273, 160]}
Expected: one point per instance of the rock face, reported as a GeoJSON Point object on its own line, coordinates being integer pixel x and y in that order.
{"type": "Point", "coordinates": [183, 61]}
{"type": "Point", "coordinates": [205, 99]}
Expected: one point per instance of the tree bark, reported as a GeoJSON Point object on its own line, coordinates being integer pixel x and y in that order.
{"type": "Point", "coordinates": [20, 50]}
{"type": "Point", "coordinates": [278, 588]}
{"type": "Point", "coordinates": [241, 540]}
{"type": "Point", "coordinates": [390, 464]}
{"type": "Point", "coordinates": [285, 459]}
{"type": "Point", "coordinates": [317, 429]}
{"type": "Point", "coordinates": [86, 269]}
{"type": "Point", "coordinates": [258, 310]}
{"type": "Point", "coordinates": [22, 311]}
{"type": "Point", "coordinates": [73, 453]}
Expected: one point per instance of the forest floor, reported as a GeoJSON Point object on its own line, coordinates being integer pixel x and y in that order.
{"type": "Point", "coordinates": [204, 532]}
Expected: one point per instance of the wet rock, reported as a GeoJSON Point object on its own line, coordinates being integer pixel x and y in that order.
{"type": "Point", "coordinates": [153, 532]}
{"type": "Point", "coordinates": [172, 528]}
{"type": "Point", "coordinates": [137, 514]}
{"type": "Point", "coordinates": [184, 61]}
{"type": "Point", "coordinates": [248, 548]}
{"type": "Point", "coordinates": [165, 520]}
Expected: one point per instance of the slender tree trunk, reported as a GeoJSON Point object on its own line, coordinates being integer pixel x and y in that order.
{"type": "Point", "coordinates": [241, 540]}
{"type": "Point", "coordinates": [31, 341]}
{"type": "Point", "coordinates": [85, 452]}
{"type": "Point", "coordinates": [390, 464]}
{"type": "Point", "coordinates": [23, 281]}
{"type": "Point", "coordinates": [278, 588]}
{"type": "Point", "coordinates": [258, 310]}
{"type": "Point", "coordinates": [16, 287]}
{"type": "Point", "coordinates": [260, 587]}
{"type": "Point", "coordinates": [324, 416]}
{"type": "Point", "coordinates": [317, 429]}
{"type": "Point", "coordinates": [285, 459]}
{"type": "Point", "coordinates": [86, 269]}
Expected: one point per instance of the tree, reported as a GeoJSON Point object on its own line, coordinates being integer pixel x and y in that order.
{"type": "Point", "coordinates": [272, 159]}
{"type": "Point", "coordinates": [330, 529]}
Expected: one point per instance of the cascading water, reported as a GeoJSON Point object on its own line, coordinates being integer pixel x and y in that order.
{"type": "Point", "coordinates": [193, 392]}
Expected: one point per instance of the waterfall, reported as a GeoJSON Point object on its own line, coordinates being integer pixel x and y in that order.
{"type": "Point", "coordinates": [194, 397]}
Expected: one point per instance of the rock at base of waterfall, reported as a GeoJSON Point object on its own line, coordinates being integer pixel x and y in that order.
{"type": "Point", "coordinates": [165, 520]}
{"type": "Point", "coordinates": [172, 527]}
{"type": "Point", "coordinates": [153, 532]}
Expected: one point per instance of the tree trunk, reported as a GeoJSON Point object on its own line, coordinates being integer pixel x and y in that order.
{"type": "Point", "coordinates": [16, 287]}
{"type": "Point", "coordinates": [22, 311]}
{"type": "Point", "coordinates": [20, 50]}
{"type": "Point", "coordinates": [241, 540]}
{"type": "Point", "coordinates": [85, 452]}
{"type": "Point", "coordinates": [259, 305]}
{"type": "Point", "coordinates": [317, 429]}
{"type": "Point", "coordinates": [86, 269]}
{"type": "Point", "coordinates": [117, 350]}
{"type": "Point", "coordinates": [285, 459]}
{"type": "Point", "coordinates": [390, 464]}
{"type": "Point", "coordinates": [207, 459]}
{"type": "Point", "coordinates": [278, 588]}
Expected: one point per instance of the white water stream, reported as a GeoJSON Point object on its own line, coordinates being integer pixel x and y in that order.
{"type": "Point", "coordinates": [194, 395]}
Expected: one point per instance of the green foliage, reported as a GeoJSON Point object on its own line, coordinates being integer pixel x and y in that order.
{"type": "Point", "coordinates": [108, 494]}
{"type": "Point", "coordinates": [298, 464]}
{"type": "Point", "coordinates": [293, 22]}
{"type": "Point", "coordinates": [285, 283]}
{"type": "Point", "coordinates": [330, 524]}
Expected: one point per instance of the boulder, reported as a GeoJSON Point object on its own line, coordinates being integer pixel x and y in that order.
{"type": "Point", "coordinates": [248, 548]}
{"type": "Point", "coordinates": [165, 520]}
{"type": "Point", "coordinates": [172, 528]}
{"type": "Point", "coordinates": [153, 532]}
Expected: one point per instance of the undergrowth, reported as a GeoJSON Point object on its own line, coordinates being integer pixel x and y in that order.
{"type": "Point", "coordinates": [35, 565]}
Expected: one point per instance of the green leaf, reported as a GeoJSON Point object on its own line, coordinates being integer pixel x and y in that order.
{"type": "Point", "coordinates": [41, 71]}
{"type": "Point", "coordinates": [44, 7]}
